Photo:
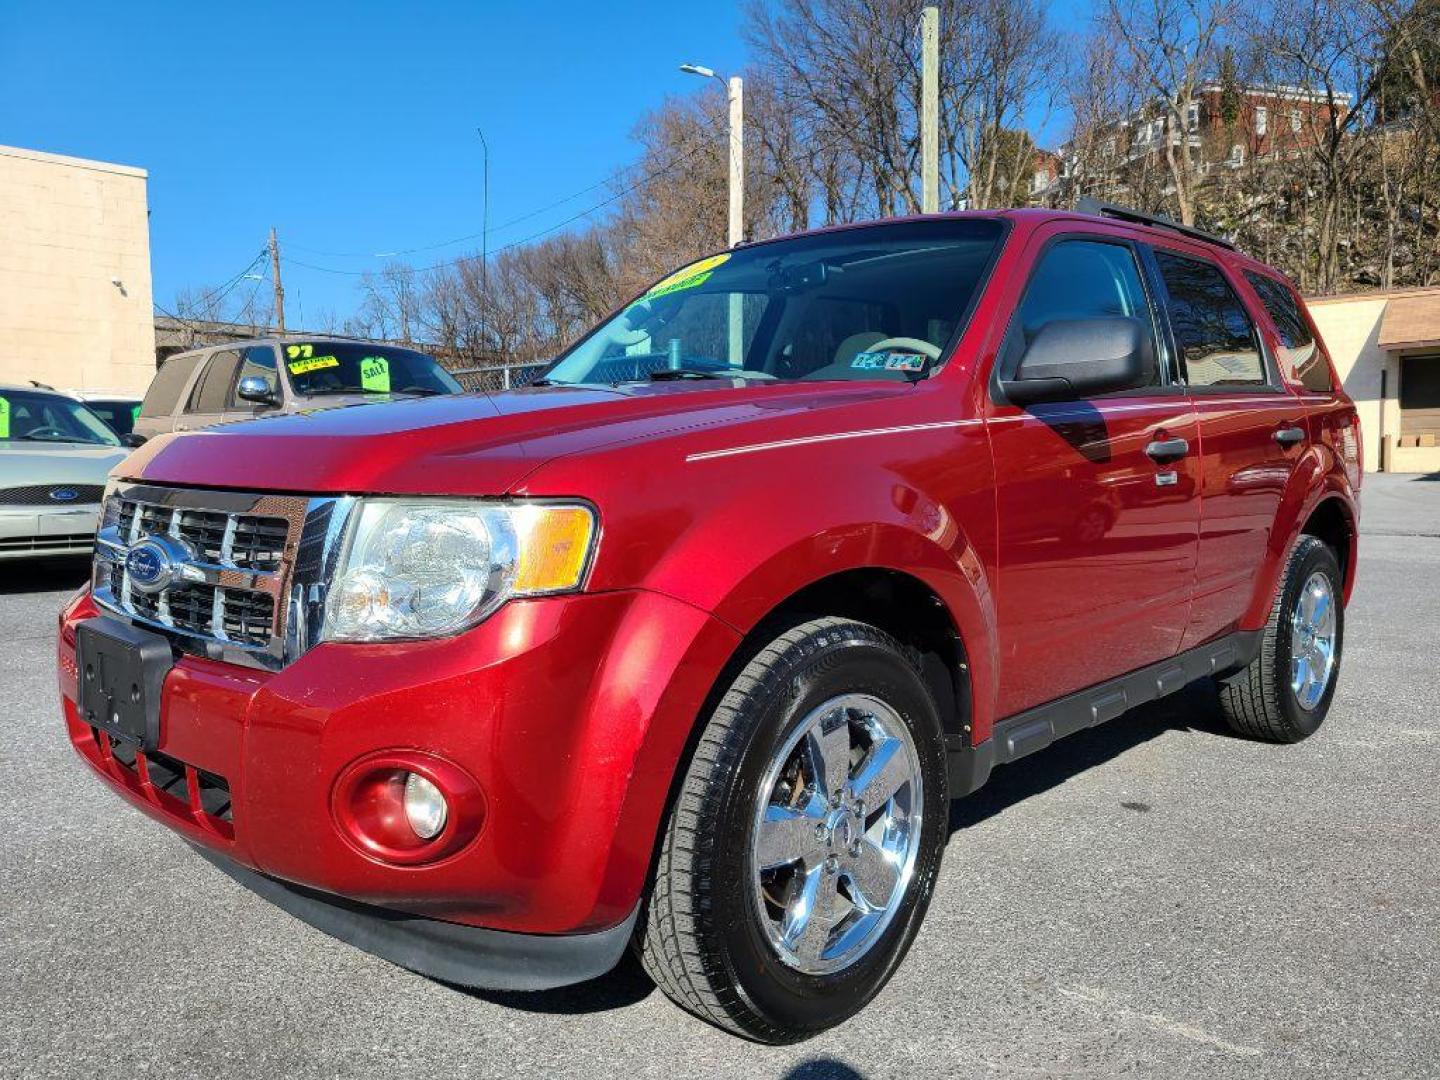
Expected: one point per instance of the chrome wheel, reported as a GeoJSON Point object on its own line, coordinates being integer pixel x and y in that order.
{"type": "Point", "coordinates": [836, 833]}
{"type": "Point", "coordinates": [1312, 641]}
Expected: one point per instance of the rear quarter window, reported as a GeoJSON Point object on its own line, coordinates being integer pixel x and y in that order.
{"type": "Point", "coordinates": [1300, 357]}
{"type": "Point", "coordinates": [165, 388]}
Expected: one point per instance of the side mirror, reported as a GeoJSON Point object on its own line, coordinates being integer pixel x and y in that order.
{"type": "Point", "coordinates": [1081, 358]}
{"type": "Point", "coordinates": [256, 389]}
{"type": "Point", "coordinates": [133, 440]}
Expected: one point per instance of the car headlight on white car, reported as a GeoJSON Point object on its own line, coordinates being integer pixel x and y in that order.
{"type": "Point", "coordinates": [424, 568]}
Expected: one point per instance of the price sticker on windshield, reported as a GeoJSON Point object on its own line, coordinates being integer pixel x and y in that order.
{"type": "Point", "coordinates": [4, 418]}
{"type": "Point", "coordinates": [688, 277]}
{"type": "Point", "coordinates": [311, 363]}
{"type": "Point", "coordinates": [375, 374]}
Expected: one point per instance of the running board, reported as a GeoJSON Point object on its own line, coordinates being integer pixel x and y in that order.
{"type": "Point", "coordinates": [1034, 729]}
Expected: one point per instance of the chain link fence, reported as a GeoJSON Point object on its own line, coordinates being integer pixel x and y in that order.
{"type": "Point", "coordinates": [498, 377]}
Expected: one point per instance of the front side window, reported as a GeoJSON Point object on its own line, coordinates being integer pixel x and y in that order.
{"type": "Point", "coordinates": [318, 368]}
{"type": "Point", "coordinates": [1300, 354]}
{"type": "Point", "coordinates": [868, 303]}
{"type": "Point", "coordinates": [1216, 339]}
{"type": "Point", "coordinates": [256, 361]}
{"type": "Point", "coordinates": [1079, 279]}
{"type": "Point", "coordinates": [49, 418]}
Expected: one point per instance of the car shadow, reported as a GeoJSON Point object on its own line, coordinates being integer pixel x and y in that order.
{"type": "Point", "coordinates": [43, 575]}
{"type": "Point", "coordinates": [1192, 709]}
{"type": "Point", "coordinates": [625, 984]}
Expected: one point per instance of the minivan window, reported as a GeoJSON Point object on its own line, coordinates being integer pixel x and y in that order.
{"type": "Point", "coordinates": [317, 368]}
{"type": "Point", "coordinates": [168, 384]}
{"type": "Point", "coordinates": [213, 386]}
{"type": "Point", "coordinates": [258, 361]}
{"type": "Point", "coordinates": [1080, 279]}
{"type": "Point", "coordinates": [868, 303]}
{"type": "Point", "coordinates": [1299, 353]}
{"type": "Point", "coordinates": [1213, 332]}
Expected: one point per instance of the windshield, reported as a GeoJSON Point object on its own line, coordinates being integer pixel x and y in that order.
{"type": "Point", "coordinates": [337, 367]}
{"type": "Point", "coordinates": [29, 417]}
{"type": "Point", "coordinates": [869, 303]}
{"type": "Point", "coordinates": [119, 415]}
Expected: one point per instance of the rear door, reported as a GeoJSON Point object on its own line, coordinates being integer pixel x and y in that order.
{"type": "Point", "coordinates": [1097, 538]}
{"type": "Point", "coordinates": [1253, 431]}
{"type": "Point", "coordinates": [208, 397]}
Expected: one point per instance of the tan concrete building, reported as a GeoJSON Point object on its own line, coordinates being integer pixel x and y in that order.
{"type": "Point", "coordinates": [75, 295]}
{"type": "Point", "coordinates": [1386, 349]}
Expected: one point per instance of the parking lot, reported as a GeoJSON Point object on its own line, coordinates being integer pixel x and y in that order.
{"type": "Point", "coordinates": [1154, 899]}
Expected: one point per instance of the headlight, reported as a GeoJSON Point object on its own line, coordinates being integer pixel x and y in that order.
{"type": "Point", "coordinates": [421, 568]}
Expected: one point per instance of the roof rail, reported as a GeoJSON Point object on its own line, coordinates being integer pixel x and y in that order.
{"type": "Point", "coordinates": [1090, 205]}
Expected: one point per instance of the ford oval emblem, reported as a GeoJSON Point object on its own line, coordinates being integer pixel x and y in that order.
{"type": "Point", "coordinates": [64, 494]}
{"type": "Point", "coordinates": [155, 563]}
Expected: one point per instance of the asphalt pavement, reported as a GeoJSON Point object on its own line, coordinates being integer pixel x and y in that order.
{"type": "Point", "coordinates": [1154, 898]}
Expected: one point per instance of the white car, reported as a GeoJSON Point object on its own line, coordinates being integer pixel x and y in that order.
{"type": "Point", "coordinates": [116, 407]}
{"type": "Point", "coordinates": [55, 455]}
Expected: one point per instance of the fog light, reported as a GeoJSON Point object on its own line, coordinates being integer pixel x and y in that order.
{"type": "Point", "coordinates": [425, 807]}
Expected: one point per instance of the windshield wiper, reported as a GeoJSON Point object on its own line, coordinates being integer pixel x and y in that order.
{"type": "Point", "coordinates": [419, 391]}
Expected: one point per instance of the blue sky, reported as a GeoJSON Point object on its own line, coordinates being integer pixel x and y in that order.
{"type": "Point", "coordinates": [348, 126]}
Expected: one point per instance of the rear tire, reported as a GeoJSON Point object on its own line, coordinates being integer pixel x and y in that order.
{"type": "Point", "coordinates": [778, 945]}
{"type": "Point", "coordinates": [1284, 694]}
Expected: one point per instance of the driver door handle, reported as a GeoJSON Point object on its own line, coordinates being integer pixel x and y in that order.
{"type": "Point", "coordinates": [1161, 451]}
{"type": "Point", "coordinates": [1289, 436]}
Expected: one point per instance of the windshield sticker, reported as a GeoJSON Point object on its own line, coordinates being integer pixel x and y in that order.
{"type": "Point", "coordinates": [4, 418]}
{"type": "Point", "coordinates": [375, 374]}
{"type": "Point", "coordinates": [311, 363]}
{"type": "Point", "coordinates": [688, 277]}
{"type": "Point", "coordinates": [888, 361]}
{"type": "Point", "coordinates": [135, 412]}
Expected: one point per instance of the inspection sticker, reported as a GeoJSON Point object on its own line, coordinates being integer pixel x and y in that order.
{"type": "Point", "coordinates": [688, 277]}
{"type": "Point", "coordinates": [888, 361]}
{"type": "Point", "coordinates": [375, 374]}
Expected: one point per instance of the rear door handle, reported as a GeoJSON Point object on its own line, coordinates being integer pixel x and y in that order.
{"type": "Point", "coordinates": [1163, 450]}
{"type": "Point", "coordinates": [1289, 436]}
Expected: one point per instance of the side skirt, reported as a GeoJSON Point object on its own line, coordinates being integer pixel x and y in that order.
{"type": "Point", "coordinates": [1035, 729]}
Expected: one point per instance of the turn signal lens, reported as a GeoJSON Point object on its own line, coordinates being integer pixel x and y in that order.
{"type": "Point", "coordinates": [425, 807]}
{"type": "Point", "coordinates": [554, 543]}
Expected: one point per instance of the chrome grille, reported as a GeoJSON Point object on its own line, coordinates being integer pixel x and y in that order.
{"type": "Point", "coordinates": [250, 587]}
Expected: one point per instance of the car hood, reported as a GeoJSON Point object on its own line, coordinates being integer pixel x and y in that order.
{"type": "Point", "coordinates": [460, 444]}
{"type": "Point", "coordinates": [26, 463]}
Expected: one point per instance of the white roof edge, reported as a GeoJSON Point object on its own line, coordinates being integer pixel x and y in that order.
{"type": "Point", "coordinates": [74, 162]}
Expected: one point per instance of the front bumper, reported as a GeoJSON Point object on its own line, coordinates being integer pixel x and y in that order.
{"type": "Point", "coordinates": [34, 532]}
{"type": "Point", "coordinates": [570, 713]}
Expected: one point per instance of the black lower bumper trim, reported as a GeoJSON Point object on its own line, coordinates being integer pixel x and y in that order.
{"type": "Point", "coordinates": [463, 955]}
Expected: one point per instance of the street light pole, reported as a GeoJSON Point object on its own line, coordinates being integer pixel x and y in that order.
{"type": "Point", "coordinates": [484, 239]}
{"type": "Point", "coordinates": [735, 96]}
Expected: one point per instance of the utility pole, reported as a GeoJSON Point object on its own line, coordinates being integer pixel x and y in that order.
{"type": "Point", "coordinates": [275, 275]}
{"type": "Point", "coordinates": [485, 246]}
{"type": "Point", "coordinates": [930, 111]}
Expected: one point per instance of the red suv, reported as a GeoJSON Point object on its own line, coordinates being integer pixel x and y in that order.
{"type": "Point", "coordinates": [688, 646]}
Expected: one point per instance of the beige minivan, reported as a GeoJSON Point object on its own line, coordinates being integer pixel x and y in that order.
{"type": "Point", "coordinates": [245, 379]}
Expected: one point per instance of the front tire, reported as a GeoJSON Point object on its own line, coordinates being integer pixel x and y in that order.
{"type": "Point", "coordinates": [1285, 692]}
{"type": "Point", "coordinates": [802, 847]}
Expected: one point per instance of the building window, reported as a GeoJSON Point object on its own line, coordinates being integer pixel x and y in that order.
{"type": "Point", "coordinates": [1192, 116]}
{"type": "Point", "coordinates": [1237, 154]}
{"type": "Point", "coordinates": [1419, 396]}
{"type": "Point", "coordinates": [1262, 120]}
{"type": "Point", "coordinates": [1109, 148]}
{"type": "Point", "coordinates": [1294, 119]}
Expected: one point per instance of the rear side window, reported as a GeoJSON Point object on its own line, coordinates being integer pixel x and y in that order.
{"type": "Point", "coordinates": [213, 386]}
{"type": "Point", "coordinates": [1217, 341]}
{"type": "Point", "coordinates": [169, 382]}
{"type": "Point", "coordinates": [1299, 353]}
{"type": "Point", "coordinates": [259, 360]}
{"type": "Point", "coordinates": [1079, 279]}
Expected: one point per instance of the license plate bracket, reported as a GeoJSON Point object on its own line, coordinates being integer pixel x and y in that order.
{"type": "Point", "coordinates": [119, 671]}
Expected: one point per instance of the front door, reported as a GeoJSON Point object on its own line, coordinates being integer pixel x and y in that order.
{"type": "Point", "coordinates": [1097, 499]}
